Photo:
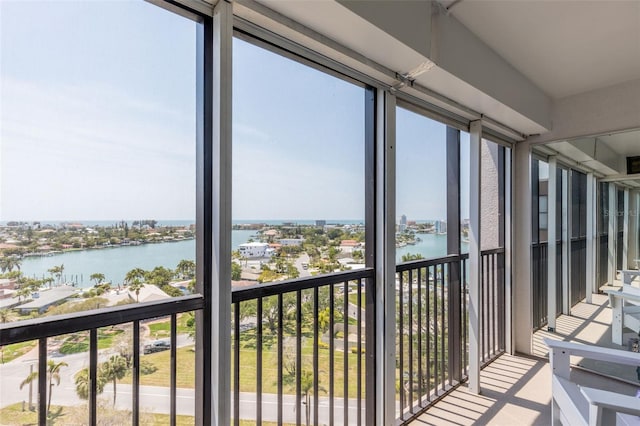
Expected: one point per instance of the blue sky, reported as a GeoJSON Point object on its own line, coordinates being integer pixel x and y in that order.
{"type": "Point", "coordinates": [97, 121]}
{"type": "Point", "coordinates": [97, 111]}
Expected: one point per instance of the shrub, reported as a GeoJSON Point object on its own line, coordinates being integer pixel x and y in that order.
{"type": "Point", "coordinates": [147, 367]}
{"type": "Point", "coordinates": [70, 347]}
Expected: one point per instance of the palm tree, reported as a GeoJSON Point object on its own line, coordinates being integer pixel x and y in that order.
{"type": "Point", "coordinates": [47, 280]}
{"type": "Point", "coordinates": [29, 381]}
{"type": "Point", "coordinates": [83, 384]}
{"type": "Point", "coordinates": [57, 271]}
{"type": "Point", "coordinates": [9, 263]}
{"type": "Point", "coordinates": [5, 315]}
{"type": "Point", "coordinates": [186, 269]}
{"type": "Point", "coordinates": [113, 370]}
{"type": "Point", "coordinates": [135, 286]}
{"type": "Point", "coordinates": [306, 388]}
{"type": "Point", "coordinates": [135, 273]}
{"type": "Point", "coordinates": [97, 277]}
{"type": "Point", "coordinates": [23, 291]}
{"type": "Point", "coordinates": [53, 375]}
{"type": "Point", "coordinates": [134, 280]}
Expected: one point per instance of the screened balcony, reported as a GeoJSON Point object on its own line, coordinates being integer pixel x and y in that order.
{"type": "Point", "coordinates": [382, 230]}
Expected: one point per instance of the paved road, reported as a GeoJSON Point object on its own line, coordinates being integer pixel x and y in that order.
{"type": "Point", "coordinates": [303, 258]}
{"type": "Point", "coordinates": [155, 398]}
{"type": "Point", "coordinates": [13, 373]}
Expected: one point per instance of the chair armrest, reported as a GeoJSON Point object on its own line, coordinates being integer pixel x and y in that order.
{"type": "Point", "coordinates": [612, 401]}
{"type": "Point", "coordinates": [627, 293]}
{"type": "Point", "coordinates": [594, 352]}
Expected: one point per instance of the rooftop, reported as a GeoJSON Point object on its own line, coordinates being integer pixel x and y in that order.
{"type": "Point", "coordinates": [49, 297]}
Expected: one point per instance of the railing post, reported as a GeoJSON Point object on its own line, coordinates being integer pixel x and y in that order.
{"type": "Point", "coordinates": [42, 381]}
{"type": "Point", "coordinates": [135, 380]}
{"type": "Point", "coordinates": [93, 376]}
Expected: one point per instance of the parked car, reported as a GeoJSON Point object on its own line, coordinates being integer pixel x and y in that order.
{"type": "Point", "coordinates": [157, 346]}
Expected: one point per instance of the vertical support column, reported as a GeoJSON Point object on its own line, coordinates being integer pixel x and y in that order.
{"type": "Point", "coordinates": [522, 291]}
{"type": "Point", "coordinates": [371, 232]}
{"type": "Point", "coordinates": [204, 234]}
{"type": "Point", "coordinates": [386, 258]}
{"type": "Point", "coordinates": [214, 214]}
{"type": "Point", "coordinates": [566, 242]}
{"type": "Point", "coordinates": [475, 309]}
{"type": "Point", "coordinates": [636, 234]}
{"type": "Point", "coordinates": [551, 244]}
{"type": "Point", "coordinates": [453, 191]}
{"type": "Point", "coordinates": [453, 247]}
{"type": "Point", "coordinates": [590, 272]}
{"type": "Point", "coordinates": [508, 251]}
{"type": "Point", "coordinates": [626, 234]}
{"type": "Point", "coordinates": [633, 229]}
{"type": "Point", "coordinates": [613, 231]}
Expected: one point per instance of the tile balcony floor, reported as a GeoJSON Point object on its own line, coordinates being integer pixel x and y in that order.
{"type": "Point", "coordinates": [516, 390]}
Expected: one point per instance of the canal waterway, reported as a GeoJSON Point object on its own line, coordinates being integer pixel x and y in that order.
{"type": "Point", "coordinates": [115, 262]}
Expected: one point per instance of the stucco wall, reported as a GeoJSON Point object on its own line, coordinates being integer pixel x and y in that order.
{"type": "Point", "coordinates": [489, 202]}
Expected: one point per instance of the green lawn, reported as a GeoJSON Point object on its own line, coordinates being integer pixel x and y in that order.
{"type": "Point", "coordinates": [162, 329]}
{"type": "Point", "coordinates": [248, 365]}
{"type": "Point", "coordinates": [185, 367]}
{"type": "Point", "coordinates": [79, 342]}
{"type": "Point", "coordinates": [79, 414]}
{"type": "Point", "coordinates": [248, 368]}
{"type": "Point", "coordinates": [353, 298]}
{"type": "Point", "coordinates": [11, 352]}
{"type": "Point", "coordinates": [13, 415]}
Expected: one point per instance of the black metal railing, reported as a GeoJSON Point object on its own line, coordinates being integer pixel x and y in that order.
{"type": "Point", "coordinates": [540, 280]}
{"type": "Point", "coordinates": [578, 268]}
{"type": "Point", "coordinates": [41, 329]}
{"type": "Point", "coordinates": [619, 246]}
{"type": "Point", "coordinates": [492, 300]}
{"type": "Point", "coordinates": [304, 350]}
{"type": "Point", "coordinates": [432, 337]}
{"type": "Point", "coordinates": [560, 302]}
{"type": "Point", "coordinates": [539, 288]}
{"type": "Point", "coordinates": [432, 330]}
{"type": "Point", "coordinates": [603, 260]}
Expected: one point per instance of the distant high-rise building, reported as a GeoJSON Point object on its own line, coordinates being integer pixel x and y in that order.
{"type": "Point", "coordinates": [321, 223]}
{"type": "Point", "coordinates": [403, 223]}
{"type": "Point", "coordinates": [441, 227]}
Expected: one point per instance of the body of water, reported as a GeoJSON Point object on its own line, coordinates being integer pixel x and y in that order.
{"type": "Point", "coordinates": [115, 262]}
{"type": "Point", "coordinates": [431, 246]}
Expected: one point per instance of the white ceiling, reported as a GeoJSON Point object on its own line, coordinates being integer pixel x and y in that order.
{"type": "Point", "coordinates": [626, 144]}
{"type": "Point", "coordinates": [564, 47]}
{"type": "Point", "coordinates": [605, 154]}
